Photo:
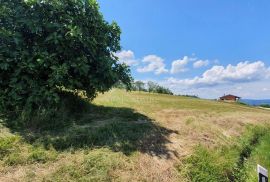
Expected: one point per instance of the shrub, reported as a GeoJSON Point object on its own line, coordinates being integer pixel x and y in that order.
{"type": "Point", "coordinates": [52, 44]}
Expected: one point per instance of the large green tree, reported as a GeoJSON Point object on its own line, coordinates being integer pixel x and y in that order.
{"type": "Point", "coordinates": [50, 44]}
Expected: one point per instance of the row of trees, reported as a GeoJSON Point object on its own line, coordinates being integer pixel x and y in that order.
{"type": "Point", "coordinates": [146, 87]}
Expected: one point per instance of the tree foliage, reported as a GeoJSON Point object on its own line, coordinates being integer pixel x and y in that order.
{"type": "Point", "coordinates": [150, 86]}
{"type": "Point", "coordinates": [139, 85]}
{"type": "Point", "coordinates": [51, 44]}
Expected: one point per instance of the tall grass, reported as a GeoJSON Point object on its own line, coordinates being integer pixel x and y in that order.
{"type": "Point", "coordinates": [229, 163]}
{"type": "Point", "coordinates": [261, 155]}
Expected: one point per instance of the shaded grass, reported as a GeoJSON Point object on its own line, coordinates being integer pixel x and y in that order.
{"type": "Point", "coordinates": [79, 124]}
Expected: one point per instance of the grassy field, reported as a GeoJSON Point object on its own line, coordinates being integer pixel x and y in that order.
{"type": "Point", "coordinates": [137, 136]}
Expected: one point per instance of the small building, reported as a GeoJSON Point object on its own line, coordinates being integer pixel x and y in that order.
{"type": "Point", "coordinates": [231, 98]}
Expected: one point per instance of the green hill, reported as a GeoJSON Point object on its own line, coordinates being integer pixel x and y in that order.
{"type": "Point", "coordinates": [137, 136]}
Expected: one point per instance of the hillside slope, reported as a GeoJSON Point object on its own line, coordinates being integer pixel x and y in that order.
{"type": "Point", "coordinates": [123, 136]}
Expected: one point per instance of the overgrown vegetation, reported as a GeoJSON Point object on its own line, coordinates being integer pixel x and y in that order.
{"type": "Point", "coordinates": [53, 44]}
{"type": "Point", "coordinates": [231, 162]}
{"type": "Point", "coordinates": [260, 155]}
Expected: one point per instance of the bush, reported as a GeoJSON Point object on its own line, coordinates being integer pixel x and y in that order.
{"type": "Point", "coordinates": [52, 44]}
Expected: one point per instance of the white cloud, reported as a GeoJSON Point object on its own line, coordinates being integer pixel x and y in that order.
{"type": "Point", "coordinates": [200, 63]}
{"type": "Point", "coordinates": [153, 64]}
{"type": "Point", "coordinates": [180, 65]}
{"type": "Point", "coordinates": [239, 88]}
{"type": "Point", "coordinates": [249, 90]}
{"type": "Point", "coordinates": [127, 56]}
{"type": "Point", "coordinates": [242, 72]}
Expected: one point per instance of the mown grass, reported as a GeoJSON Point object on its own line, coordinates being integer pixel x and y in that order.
{"type": "Point", "coordinates": [127, 136]}
{"type": "Point", "coordinates": [97, 165]}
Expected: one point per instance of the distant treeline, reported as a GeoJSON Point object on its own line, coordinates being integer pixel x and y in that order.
{"type": "Point", "coordinates": [192, 96]}
{"type": "Point", "coordinates": [265, 105]}
{"type": "Point", "coordinates": [146, 87]}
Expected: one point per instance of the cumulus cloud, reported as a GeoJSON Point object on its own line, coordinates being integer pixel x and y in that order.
{"type": "Point", "coordinates": [180, 65]}
{"type": "Point", "coordinates": [200, 63]}
{"type": "Point", "coordinates": [154, 64]}
{"type": "Point", "coordinates": [127, 56]}
{"type": "Point", "coordinates": [242, 72]}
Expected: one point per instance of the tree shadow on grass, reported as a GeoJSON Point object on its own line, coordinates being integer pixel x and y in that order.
{"type": "Point", "coordinates": [79, 124]}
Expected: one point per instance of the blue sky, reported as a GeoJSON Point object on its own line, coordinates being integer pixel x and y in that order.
{"type": "Point", "coordinates": [208, 48]}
